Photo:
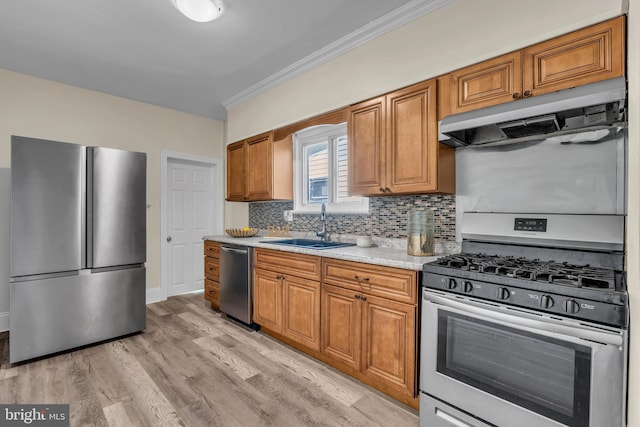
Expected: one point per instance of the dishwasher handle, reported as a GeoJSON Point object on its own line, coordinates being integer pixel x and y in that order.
{"type": "Point", "coordinates": [235, 251]}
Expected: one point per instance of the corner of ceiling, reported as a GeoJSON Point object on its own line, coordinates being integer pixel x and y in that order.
{"type": "Point", "coordinates": [395, 19]}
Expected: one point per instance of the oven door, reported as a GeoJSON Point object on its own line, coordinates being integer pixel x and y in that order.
{"type": "Point", "coordinates": [510, 367]}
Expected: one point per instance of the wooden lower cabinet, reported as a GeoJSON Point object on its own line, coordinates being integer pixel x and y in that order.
{"type": "Point", "coordinates": [301, 311]}
{"type": "Point", "coordinates": [359, 318]}
{"type": "Point", "coordinates": [373, 336]}
{"type": "Point", "coordinates": [267, 299]}
{"type": "Point", "coordinates": [389, 343]}
{"type": "Point", "coordinates": [341, 326]}
{"type": "Point", "coordinates": [212, 273]}
{"type": "Point", "coordinates": [285, 303]}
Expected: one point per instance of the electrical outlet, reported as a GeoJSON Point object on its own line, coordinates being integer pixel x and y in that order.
{"type": "Point", "coordinates": [288, 216]}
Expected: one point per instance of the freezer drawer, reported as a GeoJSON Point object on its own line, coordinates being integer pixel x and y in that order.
{"type": "Point", "coordinates": [47, 206]}
{"type": "Point", "coordinates": [57, 314]}
{"type": "Point", "coordinates": [116, 214]}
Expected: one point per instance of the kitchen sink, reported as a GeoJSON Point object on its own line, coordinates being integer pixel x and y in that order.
{"type": "Point", "coordinates": [309, 243]}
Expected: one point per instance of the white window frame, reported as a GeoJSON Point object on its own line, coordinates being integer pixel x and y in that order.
{"type": "Point", "coordinates": [311, 136]}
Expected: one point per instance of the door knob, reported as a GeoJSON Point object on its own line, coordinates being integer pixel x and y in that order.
{"type": "Point", "coordinates": [168, 238]}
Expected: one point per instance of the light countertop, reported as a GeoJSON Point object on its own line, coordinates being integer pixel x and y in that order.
{"type": "Point", "coordinates": [390, 257]}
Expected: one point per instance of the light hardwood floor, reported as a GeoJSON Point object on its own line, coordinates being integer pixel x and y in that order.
{"type": "Point", "coordinates": [192, 367]}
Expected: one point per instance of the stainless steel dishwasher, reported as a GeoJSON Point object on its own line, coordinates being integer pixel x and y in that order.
{"type": "Point", "coordinates": [236, 282]}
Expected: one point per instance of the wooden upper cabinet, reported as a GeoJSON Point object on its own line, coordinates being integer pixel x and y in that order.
{"type": "Point", "coordinates": [366, 147]}
{"type": "Point", "coordinates": [236, 179]}
{"type": "Point", "coordinates": [260, 168]}
{"type": "Point", "coordinates": [585, 56]}
{"type": "Point", "coordinates": [393, 145]}
{"type": "Point", "coordinates": [491, 82]}
{"type": "Point", "coordinates": [412, 139]}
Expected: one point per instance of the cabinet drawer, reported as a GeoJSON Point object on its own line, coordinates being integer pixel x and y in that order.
{"type": "Point", "coordinates": [393, 283]}
{"type": "Point", "coordinates": [307, 266]}
{"type": "Point", "coordinates": [211, 249]}
{"type": "Point", "coordinates": [212, 269]}
{"type": "Point", "coordinates": [212, 291]}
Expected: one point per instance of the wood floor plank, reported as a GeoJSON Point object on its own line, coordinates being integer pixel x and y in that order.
{"type": "Point", "coordinates": [193, 367]}
{"type": "Point", "coordinates": [227, 358]}
{"type": "Point", "coordinates": [116, 415]}
{"type": "Point", "coordinates": [339, 389]}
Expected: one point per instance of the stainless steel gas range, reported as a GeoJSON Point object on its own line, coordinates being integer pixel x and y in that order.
{"type": "Point", "coordinates": [527, 326]}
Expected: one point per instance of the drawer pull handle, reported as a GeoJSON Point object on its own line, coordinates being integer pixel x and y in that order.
{"type": "Point", "coordinates": [364, 279]}
{"type": "Point", "coordinates": [280, 277]}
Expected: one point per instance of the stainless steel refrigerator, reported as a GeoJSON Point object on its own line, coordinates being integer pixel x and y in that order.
{"type": "Point", "coordinates": [78, 245]}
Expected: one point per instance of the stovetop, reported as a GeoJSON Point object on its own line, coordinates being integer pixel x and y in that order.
{"type": "Point", "coordinates": [560, 273]}
{"type": "Point", "coordinates": [569, 289]}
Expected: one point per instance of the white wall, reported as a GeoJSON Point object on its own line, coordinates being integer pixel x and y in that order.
{"type": "Point", "coordinates": [44, 109]}
{"type": "Point", "coordinates": [465, 32]}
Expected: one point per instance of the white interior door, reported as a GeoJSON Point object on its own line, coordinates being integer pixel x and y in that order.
{"type": "Point", "coordinates": [189, 218]}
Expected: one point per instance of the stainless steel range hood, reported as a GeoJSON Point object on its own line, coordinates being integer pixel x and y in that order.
{"type": "Point", "coordinates": [593, 106]}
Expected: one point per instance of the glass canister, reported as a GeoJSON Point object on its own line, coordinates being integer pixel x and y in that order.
{"type": "Point", "coordinates": [420, 232]}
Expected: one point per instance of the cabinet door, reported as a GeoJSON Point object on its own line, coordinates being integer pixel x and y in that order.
{"type": "Point", "coordinates": [301, 315]}
{"type": "Point", "coordinates": [341, 326]}
{"type": "Point", "coordinates": [389, 343]}
{"type": "Point", "coordinates": [260, 167]}
{"type": "Point", "coordinates": [412, 139]}
{"type": "Point", "coordinates": [491, 82]}
{"type": "Point", "coordinates": [366, 129]}
{"type": "Point", "coordinates": [236, 178]}
{"type": "Point", "coordinates": [584, 56]}
{"type": "Point", "coordinates": [267, 299]}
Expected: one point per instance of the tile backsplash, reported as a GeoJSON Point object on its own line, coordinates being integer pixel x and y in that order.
{"type": "Point", "coordinates": [387, 217]}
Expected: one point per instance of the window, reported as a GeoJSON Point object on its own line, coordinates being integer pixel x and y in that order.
{"type": "Point", "coordinates": [320, 171]}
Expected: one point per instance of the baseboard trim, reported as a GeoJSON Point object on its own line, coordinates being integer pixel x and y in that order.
{"type": "Point", "coordinates": [4, 321]}
{"type": "Point", "coordinates": [155, 295]}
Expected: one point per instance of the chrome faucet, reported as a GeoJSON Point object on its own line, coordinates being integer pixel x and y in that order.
{"type": "Point", "coordinates": [322, 234]}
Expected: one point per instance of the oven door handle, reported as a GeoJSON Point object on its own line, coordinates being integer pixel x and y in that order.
{"type": "Point", "coordinates": [542, 327]}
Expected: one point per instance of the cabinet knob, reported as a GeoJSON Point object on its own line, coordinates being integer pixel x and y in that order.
{"type": "Point", "coordinates": [516, 95]}
{"type": "Point", "coordinates": [527, 93]}
{"type": "Point", "coordinates": [363, 298]}
{"type": "Point", "coordinates": [169, 238]}
{"type": "Point", "coordinates": [381, 190]}
{"type": "Point", "coordinates": [387, 190]}
{"type": "Point", "coordinates": [356, 296]}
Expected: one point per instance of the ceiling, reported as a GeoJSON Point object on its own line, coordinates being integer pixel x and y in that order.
{"type": "Point", "coordinates": [147, 51]}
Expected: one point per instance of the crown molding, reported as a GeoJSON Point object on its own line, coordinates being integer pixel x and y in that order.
{"type": "Point", "coordinates": [389, 22]}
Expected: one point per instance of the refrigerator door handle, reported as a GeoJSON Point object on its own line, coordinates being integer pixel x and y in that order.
{"type": "Point", "coordinates": [83, 209]}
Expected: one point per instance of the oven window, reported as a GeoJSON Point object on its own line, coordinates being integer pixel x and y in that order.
{"type": "Point", "coordinates": [548, 376]}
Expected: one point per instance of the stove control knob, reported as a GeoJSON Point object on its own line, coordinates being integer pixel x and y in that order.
{"type": "Point", "coordinates": [452, 284]}
{"type": "Point", "coordinates": [503, 293]}
{"type": "Point", "coordinates": [546, 301]}
{"type": "Point", "coordinates": [571, 306]}
{"type": "Point", "coordinates": [467, 286]}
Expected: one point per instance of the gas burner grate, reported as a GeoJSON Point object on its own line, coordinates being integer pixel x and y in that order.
{"type": "Point", "coordinates": [560, 273]}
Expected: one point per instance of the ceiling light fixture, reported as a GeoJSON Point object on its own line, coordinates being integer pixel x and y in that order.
{"type": "Point", "coordinates": [199, 10]}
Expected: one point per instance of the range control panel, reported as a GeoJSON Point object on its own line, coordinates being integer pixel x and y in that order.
{"type": "Point", "coordinates": [531, 224]}
{"type": "Point", "coordinates": [548, 302]}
